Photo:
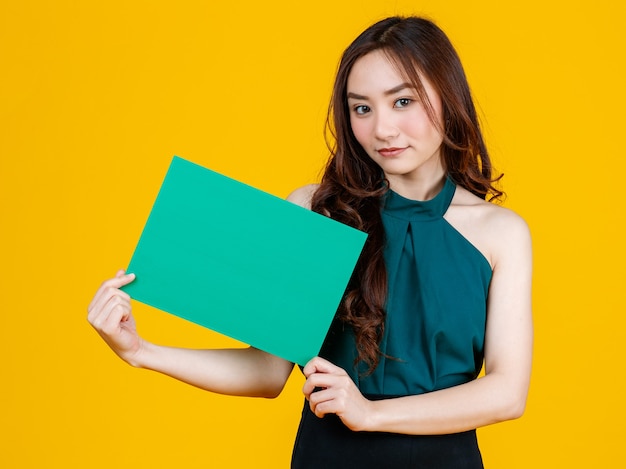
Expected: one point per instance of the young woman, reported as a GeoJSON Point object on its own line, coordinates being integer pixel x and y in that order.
{"type": "Point", "coordinates": [443, 284]}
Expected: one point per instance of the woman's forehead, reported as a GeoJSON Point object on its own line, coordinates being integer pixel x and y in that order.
{"type": "Point", "coordinates": [384, 69]}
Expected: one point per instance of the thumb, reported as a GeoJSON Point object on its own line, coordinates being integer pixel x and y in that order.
{"type": "Point", "coordinates": [122, 278]}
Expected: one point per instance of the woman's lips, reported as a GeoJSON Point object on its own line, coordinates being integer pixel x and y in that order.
{"type": "Point", "coordinates": [390, 152]}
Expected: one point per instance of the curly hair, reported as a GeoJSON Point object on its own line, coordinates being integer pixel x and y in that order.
{"type": "Point", "coordinates": [353, 185]}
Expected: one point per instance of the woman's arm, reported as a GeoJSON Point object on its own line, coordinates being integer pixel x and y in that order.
{"type": "Point", "coordinates": [242, 372]}
{"type": "Point", "coordinates": [499, 395]}
{"type": "Point", "coordinates": [236, 372]}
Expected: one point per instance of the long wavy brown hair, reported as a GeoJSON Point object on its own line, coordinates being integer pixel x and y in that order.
{"type": "Point", "coordinates": [353, 185]}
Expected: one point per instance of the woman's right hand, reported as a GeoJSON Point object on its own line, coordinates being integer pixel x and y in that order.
{"type": "Point", "coordinates": [237, 371]}
{"type": "Point", "coordinates": [111, 316]}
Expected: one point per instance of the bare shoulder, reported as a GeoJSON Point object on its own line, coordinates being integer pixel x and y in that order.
{"type": "Point", "coordinates": [493, 229]}
{"type": "Point", "coordinates": [303, 195]}
{"type": "Point", "coordinates": [487, 215]}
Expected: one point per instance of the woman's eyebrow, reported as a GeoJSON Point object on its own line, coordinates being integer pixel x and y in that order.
{"type": "Point", "coordinates": [356, 96]}
{"type": "Point", "coordinates": [391, 91]}
{"type": "Point", "coordinates": [398, 88]}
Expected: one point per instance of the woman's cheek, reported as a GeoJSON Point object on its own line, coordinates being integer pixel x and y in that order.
{"type": "Point", "coordinates": [359, 129]}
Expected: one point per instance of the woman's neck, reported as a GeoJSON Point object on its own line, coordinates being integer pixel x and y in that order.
{"type": "Point", "coordinates": [417, 186]}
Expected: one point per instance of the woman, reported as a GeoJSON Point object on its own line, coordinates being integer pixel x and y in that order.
{"type": "Point", "coordinates": [443, 283]}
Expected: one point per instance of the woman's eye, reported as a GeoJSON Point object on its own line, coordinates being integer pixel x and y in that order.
{"type": "Point", "coordinates": [403, 102]}
{"type": "Point", "coordinates": [361, 109]}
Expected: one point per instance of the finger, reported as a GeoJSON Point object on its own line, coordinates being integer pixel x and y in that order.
{"type": "Point", "coordinates": [103, 311]}
{"type": "Point", "coordinates": [116, 310]}
{"type": "Point", "coordinates": [321, 395]}
{"type": "Point", "coordinates": [103, 296]}
{"type": "Point", "coordinates": [107, 287]}
{"type": "Point", "coordinates": [322, 403]}
{"type": "Point", "coordinates": [308, 389]}
{"type": "Point", "coordinates": [319, 365]}
{"type": "Point", "coordinates": [106, 296]}
{"type": "Point", "coordinates": [98, 306]}
{"type": "Point", "coordinates": [319, 381]}
{"type": "Point", "coordinates": [121, 278]}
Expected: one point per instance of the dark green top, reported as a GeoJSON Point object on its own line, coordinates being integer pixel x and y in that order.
{"type": "Point", "coordinates": [436, 308]}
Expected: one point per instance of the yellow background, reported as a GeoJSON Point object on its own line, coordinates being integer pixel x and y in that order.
{"type": "Point", "coordinates": [96, 97]}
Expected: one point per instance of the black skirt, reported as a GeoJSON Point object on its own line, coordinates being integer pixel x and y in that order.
{"type": "Point", "coordinates": [326, 443]}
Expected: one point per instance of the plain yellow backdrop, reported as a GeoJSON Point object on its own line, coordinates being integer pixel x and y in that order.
{"type": "Point", "coordinates": [96, 97]}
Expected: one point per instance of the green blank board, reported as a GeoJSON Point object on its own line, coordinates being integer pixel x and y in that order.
{"type": "Point", "coordinates": [242, 262]}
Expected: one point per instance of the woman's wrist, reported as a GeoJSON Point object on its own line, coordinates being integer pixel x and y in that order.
{"type": "Point", "coordinates": [143, 356]}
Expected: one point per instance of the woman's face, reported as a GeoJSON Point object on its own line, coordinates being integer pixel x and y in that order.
{"type": "Point", "coordinates": [390, 122]}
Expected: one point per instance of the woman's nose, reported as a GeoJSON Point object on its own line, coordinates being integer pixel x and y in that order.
{"type": "Point", "coordinates": [385, 127]}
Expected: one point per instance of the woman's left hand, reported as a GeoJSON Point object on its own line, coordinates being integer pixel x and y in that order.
{"type": "Point", "coordinates": [330, 390]}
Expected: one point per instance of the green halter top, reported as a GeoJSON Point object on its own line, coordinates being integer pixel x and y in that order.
{"type": "Point", "coordinates": [436, 307]}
